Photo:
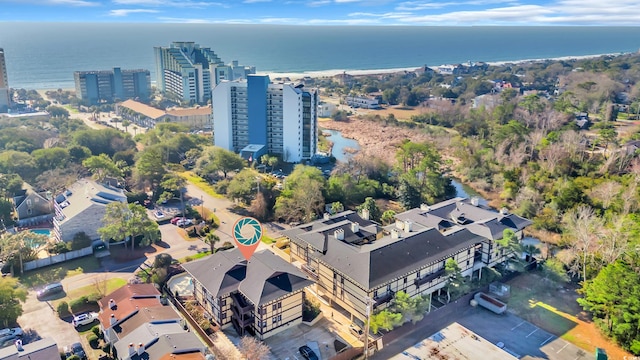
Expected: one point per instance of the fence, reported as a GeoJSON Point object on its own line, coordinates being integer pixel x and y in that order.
{"type": "Point", "coordinates": [31, 265]}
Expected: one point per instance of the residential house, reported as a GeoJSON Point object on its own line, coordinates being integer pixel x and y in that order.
{"type": "Point", "coordinates": [43, 349]}
{"type": "Point", "coordinates": [157, 340]}
{"type": "Point", "coordinates": [262, 296]}
{"type": "Point", "coordinates": [354, 259]}
{"type": "Point", "coordinates": [344, 79]}
{"type": "Point", "coordinates": [326, 109]}
{"type": "Point", "coordinates": [196, 118]}
{"type": "Point", "coordinates": [140, 326]}
{"type": "Point", "coordinates": [32, 207]}
{"type": "Point", "coordinates": [363, 102]}
{"type": "Point", "coordinates": [582, 120]}
{"type": "Point", "coordinates": [82, 207]}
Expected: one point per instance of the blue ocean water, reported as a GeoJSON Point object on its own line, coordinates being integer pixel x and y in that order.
{"type": "Point", "coordinates": [45, 55]}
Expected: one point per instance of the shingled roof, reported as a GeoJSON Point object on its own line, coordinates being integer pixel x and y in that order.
{"type": "Point", "coordinates": [429, 235]}
{"type": "Point", "coordinates": [265, 277]}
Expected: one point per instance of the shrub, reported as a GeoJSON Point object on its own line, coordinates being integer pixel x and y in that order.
{"type": "Point", "coordinates": [74, 357]}
{"type": "Point", "coordinates": [204, 324]}
{"type": "Point", "coordinates": [226, 246]}
{"type": "Point", "coordinates": [96, 331]}
{"type": "Point", "coordinates": [63, 309]}
{"type": "Point", "coordinates": [188, 259]}
{"type": "Point", "coordinates": [93, 341]}
{"type": "Point", "coordinates": [82, 303]}
{"type": "Point", "coordinates": [106, 348]}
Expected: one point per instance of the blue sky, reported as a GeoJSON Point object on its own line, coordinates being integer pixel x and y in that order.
{"type": "Point", "coordinates": [330, 12]}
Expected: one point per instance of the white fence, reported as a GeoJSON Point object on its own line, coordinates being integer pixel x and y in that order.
{"type": "Point", "coordinates": [57, 258]}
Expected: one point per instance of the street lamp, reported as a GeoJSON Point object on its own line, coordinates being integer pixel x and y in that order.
{"type": "Point", "coordinates": [368, 302]}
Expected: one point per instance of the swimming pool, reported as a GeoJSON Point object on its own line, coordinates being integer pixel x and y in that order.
{"type": "Point", "coordinates": [45, 232]}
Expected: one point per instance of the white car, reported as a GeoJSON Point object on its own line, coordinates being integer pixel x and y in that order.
{"type": "Point", "coordinates": [84, 319]}
{"type": "Point", "coordinates": [184, 222]}
{"type": "Point", "coordinates": [158, 214]}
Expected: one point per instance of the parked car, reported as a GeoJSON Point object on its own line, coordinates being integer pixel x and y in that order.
{"type": "Point", "coordinates": [307, 353]}
{"type": "Point", "coordinates": [10, 334]}
{"type": "Point", "coordinates": [158, 214]}
{"type": "Point", "coordinates": [184, 222]}
{"type": "Point", "coordinates": [84, 319]}
{"type": "Point", "coordinates": [76, 349]}
{"type": "Point", "coordinates": [49, 290]}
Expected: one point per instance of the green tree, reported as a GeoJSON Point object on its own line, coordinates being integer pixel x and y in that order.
{"type": "Point", "coordinates": [12, 295]}
{"type": "Point", "coordinates": [243, 186]}
{"type": "Point", "coordinates": [50, 158]}
{"type": "Point", "coordinates": [511, 249]}
{"type": "Point", "coordinates": [102, 166]}
{"type": "Point", "coordinates": [613, 297]}
{"type": "Point", "coordinates": [457, 284]}
{"type": "Point", "coordinates": [370, 205]}
{"type": "Point", "coordinates": [408, 194]}
{"type": "Point", "coordinates": [173, 184]}
{"type": "Point", "coordinates": [225, 161]}
{"type": "Point", "coordinates": [336, 207]}
{"type": "Point", "coordinates": [385, 319]}
{"type": "Point", "coordinates": [212, 238]}
{"type": "Point", "coordinates": [57, 111]}
{"type": "Point", "coordinates": [150, 166]}
{"type": "Point", "coordinates": [128, 221]}
{"type": "Point", "coordinates": [388, 217]}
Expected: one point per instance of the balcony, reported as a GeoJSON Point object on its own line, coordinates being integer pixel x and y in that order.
{"type": "Point", "coordinates": [241, 305]}
{"type": "Point", "coordinates": [310, 271]}
{"type": "Point", "coordinates": [429, 278]}
{"type": "Point", "coordinates": [379, 300]}
{"type": "Point", "coordinates": [242, 320]}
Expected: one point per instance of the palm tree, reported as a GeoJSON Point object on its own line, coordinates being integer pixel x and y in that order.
{"type": "Point", "coordinates": [212, 239]}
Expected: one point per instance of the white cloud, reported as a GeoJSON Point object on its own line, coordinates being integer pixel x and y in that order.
{"type": "Point", "coordinates": [72, 2]}
{"type": "Point", "coordinates": [342, 22]}
{"type": "Point", "coordinates": [277, 20]}
{"type": "Point", "coordinates": [428, 5]}
{"type": "Point", "coordinates": [126, 12]}
{"type": "Point", "coordinates": [319, 2]}
{"type": "Point", "coordinates": [255, 1]}
{"type": "Point", "coordinates": [388, 15]}
{"type": "Point", "coordinates": [168, 3]}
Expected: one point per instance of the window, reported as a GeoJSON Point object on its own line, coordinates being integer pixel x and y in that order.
{"type": "Point", "coordinates": [259, 311]}
{"type": "Point", "coordinates": [277, 318]}
{"type": "Point", "coordinates": [405, 280]}
{"type": "Point", "coordinates": [277, 306]}
{"type": "Point", "coordinates": [223, 302]}
{"type": "Point", "coordinates": [223, 315]}
{"type": "Point", "coordinates": [375, 293]}
{"type": "Point", "coordinates": [389, 288]}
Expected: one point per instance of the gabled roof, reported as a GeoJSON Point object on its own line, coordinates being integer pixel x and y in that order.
{"type": "Point", "coordinates": [85, 193]}
{"type": "Point", "coordinates": [428, 235]}
{"type": "Point", "coordinates": [128, 300]}
{"type": "Point", "coordinates": [141, 316]}
{"type": "Point", "coordinates": [265, 277]}
{"type": "Point", "coordinates": [158, 340]}
{"type": "Point", "coordinates": [143, 109]}
{"type": "Point", "coordinates": [43, 349]}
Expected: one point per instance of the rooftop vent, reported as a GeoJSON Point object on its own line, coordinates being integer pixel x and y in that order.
{"type": "Point", "coordinates": [408, 226]}
{"type": "Point", "coordinates": [132, 349]}
{"type": "Point", "coordinates": [425, 207]}
{"type": "Point", "coordinates": [112, 304]}
{"type": "Point", "coordinates": [475, 201]}
{"type": "Point", "coordinates": [326, 216]}
{"type": "Point", "coordinates": [112, 320]}
{"type": "Point", "coordinates": [395, 234]}
{"type": "Point", "coordinates": [339, 234]}
{"type": "Point", "coordinates": [355, 227]}
{"type": "Point", "coordinates": [140, 349]}
{"type": "Point", "coordinates": [504, 211]}
{"type": "Point", "coordinates": [364, 213]}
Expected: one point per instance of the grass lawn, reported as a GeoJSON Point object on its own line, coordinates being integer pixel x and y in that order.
{"type": "Point", "coordinates": [267, 239]}
{"type": "Point", "coordinates": [111, 285]}
{"type": "Point", "coordinates": [200, 183]}
{"type": "Point", "coordinates": [555, 310]}
{"type": "Point", "coordinates": [57, 272]}
{"type": "Point", "coordinates": [197, 256]}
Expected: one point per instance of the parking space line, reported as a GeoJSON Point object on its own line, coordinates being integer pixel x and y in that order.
{"type": "Point", "coordinates": [531, 333]}
{"type": "Point", "coordinates": [517, 326]}
{"type": "Point", "coordinates": [565, 345]}
{"type": "Point", "coordinates": [546, 341]}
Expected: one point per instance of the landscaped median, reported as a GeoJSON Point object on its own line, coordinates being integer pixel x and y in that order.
{"type": "Point", "coordinates": [201, 183]}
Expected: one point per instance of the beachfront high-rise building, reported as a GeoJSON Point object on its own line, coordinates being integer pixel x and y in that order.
{"type": "Point", "coordinates": [190, 72]}
{"type": "Point", "coordinates": [4, 84]}
{"type": "Point", "coordinates": [93, 87]}
{"type": "Point", "coordinates": [281, 117]}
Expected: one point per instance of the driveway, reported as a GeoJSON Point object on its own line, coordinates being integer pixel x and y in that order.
{"type": "Point", "coordinates": [39, 319]}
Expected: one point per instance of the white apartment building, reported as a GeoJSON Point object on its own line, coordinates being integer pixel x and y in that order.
{"type": "Point", "coordinates": [282, 117]}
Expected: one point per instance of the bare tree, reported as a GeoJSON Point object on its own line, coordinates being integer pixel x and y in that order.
{"type": "Point", "coordinates": [254, 349]}
{"type": "Point", "coordinates": [615, 241]}
{"type": "Point", "coordinates": [606, 192]}
{"type": "Point", "coordinates": [575, 144]}
{"type": "Point", "coordinates": [100, 284]}
{"type": "Point", "coordinates": [534, 139]}
{"type": "Point", "coordinates": [583, 227]}
{"type": "Point", "coordinates": [630, 197]}
{"type": "Point", "coordinates": [552, 156]}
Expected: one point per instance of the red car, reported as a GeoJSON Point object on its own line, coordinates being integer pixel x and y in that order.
{"type": "Point", "coordinates": [176, 219]}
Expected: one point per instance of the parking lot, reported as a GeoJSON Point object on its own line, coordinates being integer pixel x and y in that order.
{"type": "Point", "coordinates": [39, 320]}
{"type": "Point", "coordinates": [521, 338]}
{"type": "Point", "coordinates": [319, 338]}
